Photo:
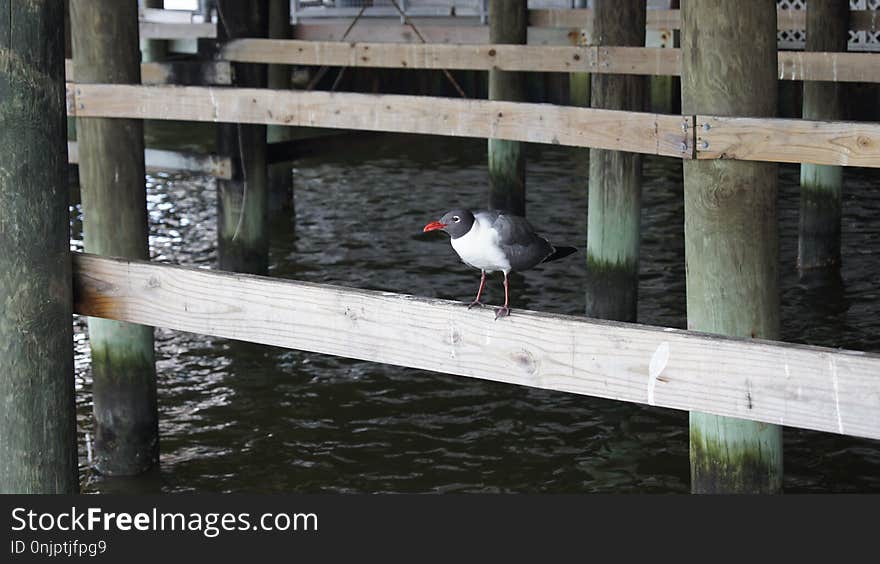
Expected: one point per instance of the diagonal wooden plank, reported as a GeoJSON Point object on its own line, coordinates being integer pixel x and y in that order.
{"type": "Point", "coordinates": [637, 132]}
{"type": "Point", "coordinates": [809, 387]}
{"type": "Point", "coordinates": [836, 67]}
{"type": "Point", "coordinates": [788, 141]}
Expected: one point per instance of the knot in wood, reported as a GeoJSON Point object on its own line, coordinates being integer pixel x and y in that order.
{"type": "Point", "coordinates": [526, 361]}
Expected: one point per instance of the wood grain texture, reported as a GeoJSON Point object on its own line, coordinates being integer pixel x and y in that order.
{"type": "Point", "coordinates": [507, 159]}
{"type": "Point", "coordinates": [158, 160]}
{"type": "Point", "coordinates": [789, 141]}
{"type": "Point", "coordinates": [111, 172]}
{"type": "Point", "coordinates": [832, 67]}
{"type": "Point", "coordinates": [536, 123]}
{"type": "Point", "coordinates": [800, 386]}
{"type": "Point", "coordinates": [38, 435]}
{"type": "Point", "coordinates": [615, 187]}
{"type": "Point", "coordinates": [161, 15]}
{"type": "Point", "coordinates": [730, 226]}
{"type": "Point", "coordinates": [434, 31]}
{"type": "Point", "coordinates": [829, 66]}
{"type": "Point", "coordinates": [166, 30]}
{"type": "Point", "coordinates": [532, 58]}
{"type": "Point", "coordinates": [821, 200]}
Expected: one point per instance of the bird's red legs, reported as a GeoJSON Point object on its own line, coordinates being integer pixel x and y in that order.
{"type": "Point", "coordinates": [477, 301]}
{"type": "Point", "coordinates": [505, 309]}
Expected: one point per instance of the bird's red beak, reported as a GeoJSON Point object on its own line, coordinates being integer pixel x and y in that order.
{"type": "Point", "coordinates": [433, 226]}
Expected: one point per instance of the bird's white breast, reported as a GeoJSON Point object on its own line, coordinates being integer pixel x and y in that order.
{"type": "Point", "coordinates": [479, 247]}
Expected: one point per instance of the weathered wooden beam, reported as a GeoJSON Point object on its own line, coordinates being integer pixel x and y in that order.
{"type": "Point", "coordinates": [176, 72]}
{"type": "Point", "coordinates": [160, 160]}
{"type": "Point", "coordinates": [532, 58]}
{"type": "Point", "coordinates": [433, 32]}
{"type": "Point", "coordinates": [829, 66]}
{"type": "Point", "coordinates": [796, 385]}
{"type": "Point", "coordinates": [165, 30]}
{"type": "Point", "coordinates": [536, 123]}
{"type": "Point", "coordinates": [835, 67]}
{"type": "Point", "coordinates": [156, 15]}
{"type": "Point", "coordinates": [758, 139]}
{"type": "Point", "coordinates": [789, 141]}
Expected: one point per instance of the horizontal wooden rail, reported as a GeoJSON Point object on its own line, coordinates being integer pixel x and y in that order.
{"type": "Point", "coordinates": [636, 132]}
{"type": "Point", "coordinates": [174, 30]}
{"type": "Point", "coordinates": [799, 386]}
{"type": "Point", "coordinates": [175, 72]}
{"type": "Point", "coordinates": [161, 160]}
{"type": "Point", "coordinates": [860, 20]}
{"type": "Point", "coordinates": [835, 67]}
{"type": "Point", "coordinates": [159, 15]}
{"type": "Point", "coordinates": [788, 141]}
{"type": "Point", "coordinates": [530, 58]}
{"type": "Point", "coordinates": [432, 31]}
{"type": "Point", "coordinates": [757, 139]}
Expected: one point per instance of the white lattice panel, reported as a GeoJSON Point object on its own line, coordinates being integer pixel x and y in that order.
{"type": "Point", "coordinates": [858, 40]}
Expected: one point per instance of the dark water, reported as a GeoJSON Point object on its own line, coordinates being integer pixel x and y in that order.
{"type": "Point", "coordinates": [237, 417]}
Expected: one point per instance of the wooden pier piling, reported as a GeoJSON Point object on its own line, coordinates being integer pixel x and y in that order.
{"type": "Point", "coordinates": [615, 184]}
{"type": "Point", "coordinates": [37, 421]}
{"type": "Point", "coordinates": [111, 154]}
{"type": "Point", "coordinates": [243, 201]}
{"type": "Point", "coordinates": [731, 246]}
{"type": "Point", "coordinates": [821, 185]}
{"type": "Point", "coordinates": [280, 176]}
{"type": "Point", "coordinates": [508, 23]}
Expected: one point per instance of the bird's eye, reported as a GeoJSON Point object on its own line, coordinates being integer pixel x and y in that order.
{"type": "Point", "coordinates": [456, 219]}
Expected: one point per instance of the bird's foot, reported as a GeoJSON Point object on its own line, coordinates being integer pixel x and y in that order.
{"type": "Point", "coordinates": [476, 303]}
{"type": "Point", "coordinates": [502, 311]}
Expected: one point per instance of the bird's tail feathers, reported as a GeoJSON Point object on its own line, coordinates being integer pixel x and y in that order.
{"type": "Point", "coordinates": [560, 252]}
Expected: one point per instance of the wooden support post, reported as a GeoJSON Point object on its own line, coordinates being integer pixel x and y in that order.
{"type": "Point", "coordinates": [819, 233]}
{"type": "Point", "coordinates": [153, 50]}
{"type": "Point", "coordinates": [508, 22]}
{"type": "Point", "coordinates": [615, 184]}
{"type": "Point", "coordinates": [111, 153]}
{"type": "Point", "coordinates": [37, 420]}
{"type": "Point", "coordinates": [280, 174]}
{"type": "Point", "coordinates": [243, 203]}
{"type": "Point", "coordinates": [731, 246]}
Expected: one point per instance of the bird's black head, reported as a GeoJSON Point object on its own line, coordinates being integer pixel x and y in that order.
{"type": "Point", "coordinates": [456, 222]}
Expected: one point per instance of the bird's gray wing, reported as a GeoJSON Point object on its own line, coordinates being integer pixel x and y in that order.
{"type": "Point", "coordinates": [522, 245]}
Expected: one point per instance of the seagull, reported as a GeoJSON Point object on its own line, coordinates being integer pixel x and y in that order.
{"type": "Point", "coordinates": [496, 240]}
